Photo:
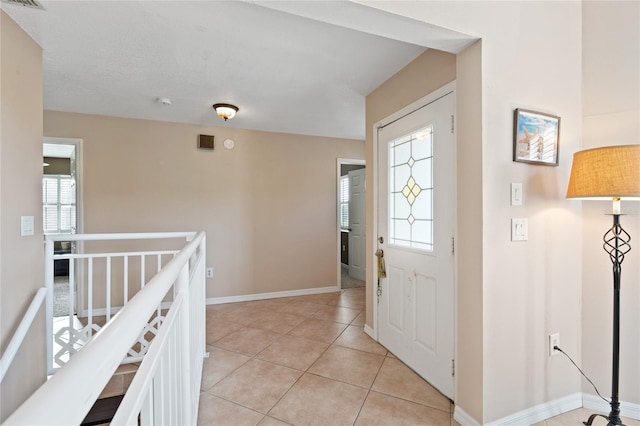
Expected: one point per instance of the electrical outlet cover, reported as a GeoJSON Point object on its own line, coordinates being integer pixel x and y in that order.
{"type": "Point", "coordinates": [554, 340]}
{"type": "Point", "coordinates": [519, 229]}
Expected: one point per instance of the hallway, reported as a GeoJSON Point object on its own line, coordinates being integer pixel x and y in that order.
{"type": "Point", "coordinates": [306, 360]}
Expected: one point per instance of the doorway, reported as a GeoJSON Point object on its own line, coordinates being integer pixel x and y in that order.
{"type": "Point", "coordinates": [416, 210]}
{"type": "Point", "coordinates": [351, 198]}
{"type": "Point", "coordinates": [62, 198]}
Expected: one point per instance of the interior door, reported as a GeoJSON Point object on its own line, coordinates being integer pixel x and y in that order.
{"type": "Point", "coordinates": [357, 224]}
{"type": "Point", "coordinates": [416, 216]}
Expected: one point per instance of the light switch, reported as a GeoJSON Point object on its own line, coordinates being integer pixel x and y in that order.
{"type": "Point", "coordinates": [26, 225]}
{"type": "Point", "coordinates": [519, 229]}
{"type": "Point", "coordinates": [516, 194]}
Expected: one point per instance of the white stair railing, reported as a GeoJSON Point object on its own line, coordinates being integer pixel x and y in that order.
{"type": "Point", "coordinates": [165, 388]}
{"type": "Point", "coordinates": [21, 332]}
{"type": "Point", "coordinates": [97, 276]}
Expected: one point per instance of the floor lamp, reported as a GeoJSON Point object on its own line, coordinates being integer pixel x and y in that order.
{"type": "Point", "coordinates": [610, 173]}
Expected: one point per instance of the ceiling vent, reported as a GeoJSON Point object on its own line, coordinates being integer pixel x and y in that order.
{"type": "Point", "coordinates": [26, 3]}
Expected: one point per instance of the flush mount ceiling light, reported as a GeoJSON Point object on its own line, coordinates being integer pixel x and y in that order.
{"type": "Point", "coordinates": [225, 111]}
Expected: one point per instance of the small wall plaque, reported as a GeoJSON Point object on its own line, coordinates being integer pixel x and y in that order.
{"type": "Point", "coordinates": [205, 142]}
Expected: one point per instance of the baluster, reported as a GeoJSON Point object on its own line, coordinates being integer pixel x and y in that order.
{"type": "Point", "coordinates": [90, 295]}
{"type": "Point", "coordinates": [72, 277]}
{"type": "Point", "coordinates": [182, 284]}
{"type": "Point", "coordinates": [146, 413]}
{"type": "Point", "coordinates": [143, 265]}
{"type": "Point", "coordinates": [169, 395]}
{"type": "Point", "coordinates": [126, 279]}
{"type": "Point", "coordinates": [159, 267]}
{"type": "Point", "coordinates": [49, 279]}
{"type": "Point", "coordinates": [161, 379]}
{"type": "Point", "coordinates": [108, 288]}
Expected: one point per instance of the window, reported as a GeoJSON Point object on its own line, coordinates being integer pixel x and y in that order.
{"type": "Point", "coordinates": [344, 202]}
{"type": "Point", "coordinates": [59, 204]}
{"type": "Point", "coordinates": [411, 189]}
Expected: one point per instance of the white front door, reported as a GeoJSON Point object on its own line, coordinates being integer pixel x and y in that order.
{"type": "Point", "coordinates": [416, 216]}
{"type": "Point", "coordinates": [356, 224]}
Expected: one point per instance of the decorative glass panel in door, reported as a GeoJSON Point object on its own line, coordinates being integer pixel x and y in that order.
{"type": "Point", "coordinates": [411, 190]}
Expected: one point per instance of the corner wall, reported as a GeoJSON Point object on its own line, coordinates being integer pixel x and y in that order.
{"type": "Point", "coordinates": [268, 206]}
{"type": "Point", "coordinates": [21, 258]}
{"type": "Point", "coordinates": [469, 259]}
{"type": "Point", "coordinates": [531, 58]}
{"type": "Point", "coordinates": [611, 66]}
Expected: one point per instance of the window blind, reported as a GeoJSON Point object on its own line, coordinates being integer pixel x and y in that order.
{"type": "Point", "coordinates": [344, 202]}
{"type": "Point", "coordinates": [59, 204]}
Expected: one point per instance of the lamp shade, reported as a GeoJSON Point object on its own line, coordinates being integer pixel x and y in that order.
{"type": "Point", "coordinates": [606, 173]}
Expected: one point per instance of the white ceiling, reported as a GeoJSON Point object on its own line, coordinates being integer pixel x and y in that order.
{"type": "Point", "coordinates": [296, 67]}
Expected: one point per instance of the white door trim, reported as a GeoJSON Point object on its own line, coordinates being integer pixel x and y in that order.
{"type": "Point", "coordinates": [77, 143]}
{"type": "Point", "coordinates": [78, 174]}
{"type": "Point", "coordinates": [431, 97]}
{"type": "Point", "coordinates": [339, 163]}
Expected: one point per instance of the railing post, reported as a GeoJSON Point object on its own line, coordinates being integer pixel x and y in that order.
{"type": "Point", "coordinates": [182, 286]}
{"type": "Point", "coordinates": [203, 290]}
{"type": "Point", "coordinates": [48, 280]}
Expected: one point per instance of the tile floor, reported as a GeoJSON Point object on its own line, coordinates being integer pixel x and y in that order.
{"type": "Point", "coordinates": [349, 282]}
{"type": "Point", "coordinates": [306, 361]}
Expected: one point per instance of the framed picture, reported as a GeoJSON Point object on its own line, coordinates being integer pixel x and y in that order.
{"type": "Point", "coordinates": [536, 137]}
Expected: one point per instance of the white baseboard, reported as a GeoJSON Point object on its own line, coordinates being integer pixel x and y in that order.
{"type": "Point", "coordinates": [463, 418]}
{"type": "Point", "coordinates": [553, 408]}
{"type": "Point", "coordinates": [232, 299]}
{"type": "Point", "coordinates": [272, 295]}
{"type": "Point", "coordinates": [627, 409]}
{"type": "Point", "coordinates": [529, 416]}
{"type": "Point", "coordinates": [542, 411]}
{"type": "Point", "coordinates": [370, 332]}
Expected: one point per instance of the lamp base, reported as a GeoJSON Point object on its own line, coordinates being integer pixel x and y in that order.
{"type": "Point", "coordinates": [616, 244]}
{"type": "Point", "coordinates": [612, 422]}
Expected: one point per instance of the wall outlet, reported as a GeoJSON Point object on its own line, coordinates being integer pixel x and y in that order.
{"type": "Point", "coordinates": [519, 229]}
{"type": "Point", "coordinates": [209, 272]}
{"type": "Point", "coordinates": [554, 340]}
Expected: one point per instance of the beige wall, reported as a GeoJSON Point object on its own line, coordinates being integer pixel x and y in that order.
{"type": "Point", "coordinates": [21, 258]}
{"type": "Point", "coordinates": [469, 249]}
{"type": "Point", "coordinates": [528, 289]}
{"type": "Point", "coordinates": [268, 206]}
{"type": "Point", "coordinates": [611, 67]}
